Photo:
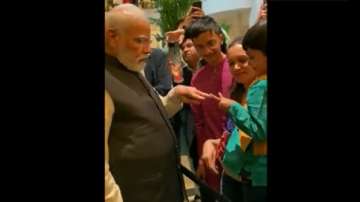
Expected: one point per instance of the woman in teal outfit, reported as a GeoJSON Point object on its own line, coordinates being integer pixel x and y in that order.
{"type": "Point", "coordinates": [249, 150]}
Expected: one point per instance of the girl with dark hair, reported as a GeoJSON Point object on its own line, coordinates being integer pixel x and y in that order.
{"type": "Point", "coordinates": [234, 185]}
{"type": "Point", "coordinates": [250, 151]}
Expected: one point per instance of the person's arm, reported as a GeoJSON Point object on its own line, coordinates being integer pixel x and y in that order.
{"type": "Point", "coordinates": [112, 190]}
{"type": "Point", "coordinates": [208, 156]}
{"type": "Point", "coordinates": [181, 94]}
{"type": "Point", "coordinates": [248, 121]}
{"type": "Point", "coordinates": [253, 120]}
{"type": "Point", "coordinates": [176, 72]}
{"type": "Point", "coordinates": [245, 122]}
{"type": "Point", "coordinates": [263, 12]}
{"type": "Point", "coordinates": [171, 102]}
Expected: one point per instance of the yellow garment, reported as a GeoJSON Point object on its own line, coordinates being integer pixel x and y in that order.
{"type": "Point", "coordinates": [260, 148]}
{"type": "Point", "coordinates": [244, 140]}
{"type": "Point", "coordinates": [112, 190]}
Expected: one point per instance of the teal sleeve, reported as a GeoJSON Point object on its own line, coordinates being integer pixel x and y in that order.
{"type": "Point", "coordinates": [253, 121]}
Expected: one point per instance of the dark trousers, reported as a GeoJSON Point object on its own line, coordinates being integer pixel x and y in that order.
{"type": "Point", "coordinates": [234, 190]}
{"type": "Point", "coordinates": [205, 197]}
{"type": "Point", "coordinates": [258, 194]}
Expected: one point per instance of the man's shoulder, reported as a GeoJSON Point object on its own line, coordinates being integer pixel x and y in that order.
{"type": "Point", "coordinates": [157, 51]}
{"type": "Point", "coordinates": [157, 54]}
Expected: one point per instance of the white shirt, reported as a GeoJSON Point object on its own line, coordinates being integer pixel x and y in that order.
{"type": "Point", "coordinates": [112, 190]}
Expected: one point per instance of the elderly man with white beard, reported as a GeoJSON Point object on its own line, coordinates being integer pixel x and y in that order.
{"type": "Point", "coordinates": [143, 158]}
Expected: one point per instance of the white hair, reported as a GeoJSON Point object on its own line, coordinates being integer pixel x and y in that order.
{"type": "Point", "coordinates": [119, 17]}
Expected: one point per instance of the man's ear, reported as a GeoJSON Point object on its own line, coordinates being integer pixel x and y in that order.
{"type": "Point", "coordinates": [113, 37]}
{"type": "Point", "coordinates": [111, 34]}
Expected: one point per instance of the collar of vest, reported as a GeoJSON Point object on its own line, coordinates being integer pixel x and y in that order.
{"type": "Point", "coordinates": [114, 62]}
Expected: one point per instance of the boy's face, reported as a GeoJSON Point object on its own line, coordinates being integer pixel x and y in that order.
{"type": "Point", "coordinates": [258, 61]}
{"type": "Point", "coordinates": [208, 46]}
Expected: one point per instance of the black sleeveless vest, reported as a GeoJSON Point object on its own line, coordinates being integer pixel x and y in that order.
{"type": "Point", "coordinates": [143, 154]}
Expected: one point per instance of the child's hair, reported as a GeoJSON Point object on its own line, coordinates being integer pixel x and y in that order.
{"type": "Point", "coordinates": [186, 35]}
{"type": "Point", "coordinates": [205, 24]}
{"type": "Point", "coordinates": [237, 40]}
{"type": "Point", "coordinates": [256, 37]}
{"type": "Point", "coordinates": [223, 46]}
{"type": "Point", "coordinates": [237, 91]}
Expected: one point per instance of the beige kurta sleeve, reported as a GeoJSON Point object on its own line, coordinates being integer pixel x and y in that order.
{"type": "Point", "coordinates": [171, 102]}
{"type": "Point", "coordinates": [112, 190]}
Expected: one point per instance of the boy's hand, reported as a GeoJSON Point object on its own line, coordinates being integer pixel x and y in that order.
{"type": "Point", "coordinates": [209, 154]}
{"type": "Point", "coordinates": [192, 15]}
{"type": "Point", "coordinates": [175, 36]}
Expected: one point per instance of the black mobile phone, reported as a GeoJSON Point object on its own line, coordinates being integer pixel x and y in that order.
{"type": "Point", "coordinates": [197, 4]}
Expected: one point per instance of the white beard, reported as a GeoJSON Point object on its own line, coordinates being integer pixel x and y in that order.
{"type": "Point", "coordinates": [135, 68]}
{"type": "Point", "coordinates": [131, 66]}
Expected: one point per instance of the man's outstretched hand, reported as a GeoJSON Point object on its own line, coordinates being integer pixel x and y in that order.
{"type": "Point", "coordinates": [190, 95]}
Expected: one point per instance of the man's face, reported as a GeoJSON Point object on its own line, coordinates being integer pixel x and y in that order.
{"type": "Point", "coordinates": [133, 47]}
{"type": "Point", "coordinates": [258, 61]}
{"type": "Point", "coordinates": [208, 46]}
{"type": "Point", "coordinates": [189, 52]}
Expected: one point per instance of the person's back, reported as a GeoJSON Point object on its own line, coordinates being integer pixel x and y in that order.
{"type": "Point", "coordinates": [156, 71]}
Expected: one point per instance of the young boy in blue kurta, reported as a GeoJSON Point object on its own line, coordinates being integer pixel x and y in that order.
{"type": "Point", "coordinates": [252, 121]}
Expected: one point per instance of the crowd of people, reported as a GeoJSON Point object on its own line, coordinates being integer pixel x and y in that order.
{"type": "Point", "coordinates": [212, 105]}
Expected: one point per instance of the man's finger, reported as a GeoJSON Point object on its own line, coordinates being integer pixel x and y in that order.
{"type": "Point", "coordinates": [220, 95]}
{"type": "Point", "coordinates": [191, 101]}
{"type": "Point", "coordinates": [196, 94]}
{"type": "Point", "coordinates": [214, 97]}
{"type": "Point", "coordinates": [206, 95]}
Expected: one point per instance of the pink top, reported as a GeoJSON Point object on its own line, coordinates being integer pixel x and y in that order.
{"type": "Point", "coordinates": [209, 119]}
